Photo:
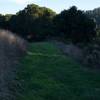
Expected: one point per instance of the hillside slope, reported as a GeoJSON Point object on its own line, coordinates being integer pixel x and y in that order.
{"type": "Point", "coordinates": [46, 74]}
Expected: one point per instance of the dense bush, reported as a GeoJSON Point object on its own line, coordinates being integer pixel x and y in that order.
{"type": "Point", "coordinates": [73, 24]}
{"type": "Point", "coordinates": [33, 21]}
{"type": "Point", "coordinates": [92, 54]}
{"type": "Point", "coordinates": [95, 14]}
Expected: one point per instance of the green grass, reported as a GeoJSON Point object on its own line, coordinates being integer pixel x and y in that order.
{"type": "Point", "coordinates": [55, 77]}
{"type": "Point", "coordinates": [44, 47]}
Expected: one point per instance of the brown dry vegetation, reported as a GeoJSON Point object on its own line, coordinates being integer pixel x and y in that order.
{"type": "Point", "coordinates": [11, 49]}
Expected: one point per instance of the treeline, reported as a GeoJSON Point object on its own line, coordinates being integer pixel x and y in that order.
{"type": "Point", "coordinates": [39, 23]}
{"type": "Point", "coordinates": [95, 14]}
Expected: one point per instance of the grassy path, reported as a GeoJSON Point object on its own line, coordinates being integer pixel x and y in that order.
{"type": "Point", "coordinates": [43, 76]}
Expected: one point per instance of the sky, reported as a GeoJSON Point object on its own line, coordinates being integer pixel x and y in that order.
{"type": "Point", "coordinates": [13, 6]}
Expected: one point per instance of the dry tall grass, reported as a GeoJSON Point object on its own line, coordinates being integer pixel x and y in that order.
{"type": "Point", "coordinates": [12, 39]}
{"type": "Point", "coordinates": [12, 48]}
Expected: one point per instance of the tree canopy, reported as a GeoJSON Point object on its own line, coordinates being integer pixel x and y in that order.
{"type": "Point", "coordinates": [73, 24]}
{"type": "Point", "coordinates": [35, 22]}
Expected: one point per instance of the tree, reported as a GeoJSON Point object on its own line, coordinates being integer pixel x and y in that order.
{"type": "Point", "coordinates": [94, 14]}
{"type": "Point", "coordinates": [73, 24]}
{"type": "Point", "coordinates": [2, 21]}
{"type": "Point", "coordinates": [33, 20]}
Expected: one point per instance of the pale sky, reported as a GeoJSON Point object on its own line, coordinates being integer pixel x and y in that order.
{"type": "Point", "coordinates": [13, 6]}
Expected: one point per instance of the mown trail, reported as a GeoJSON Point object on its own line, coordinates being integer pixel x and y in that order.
{"type": "Point", "coordinates": [10, 53]}
{"type": "Point", "coordinates": [47, 74]}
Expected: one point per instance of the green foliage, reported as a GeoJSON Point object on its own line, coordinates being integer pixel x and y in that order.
{"type": "Point", "coordinates": [73, 24]}
{"type": "Point", "coordinates": [2, 21]}
{"type": "Point", "coordinates": [92, 54]}
{"type": "Point", "coordinates": [94, 14]}
{"type": "Point", "coordinates": [33, 20]}
{"type": "Point", "coordinates": [39, 23]}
